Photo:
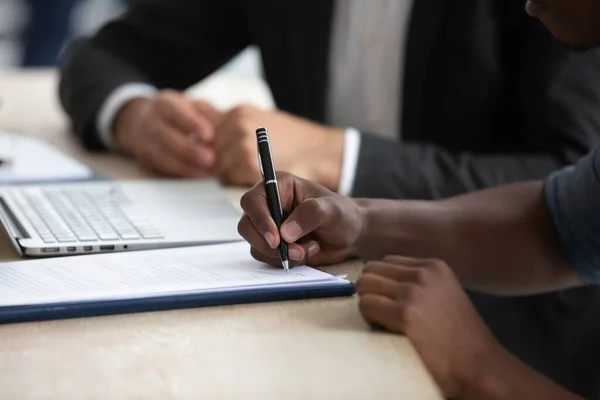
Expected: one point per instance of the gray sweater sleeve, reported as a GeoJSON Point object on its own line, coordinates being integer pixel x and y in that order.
{"type": "Point", "coordinates": [573, 198]}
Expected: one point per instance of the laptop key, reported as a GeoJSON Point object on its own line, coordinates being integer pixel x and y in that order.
{"type": "Point", "coordinates": [83, 231]}
{"type": "Point", "coordinates": [42, 230]}
{"type": "Point", "coordinates": [70, 239]}
{"type": "Point", "coordinates": [108, 236]}
{"type": "Point", "coordinates": [70, 215]}
{"type": "Point", "coordinates": [87, 238]}
{"type": "Point", "coordinates": [130, 236]}
{"type": "Point", "coordinates": [152, 235]}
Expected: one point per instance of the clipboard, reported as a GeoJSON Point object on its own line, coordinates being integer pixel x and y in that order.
{"type": "Point", "coordinates": [155, 280]}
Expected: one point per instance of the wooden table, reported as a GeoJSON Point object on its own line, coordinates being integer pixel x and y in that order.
{"type": "Point", "coordinates": [303, 349]}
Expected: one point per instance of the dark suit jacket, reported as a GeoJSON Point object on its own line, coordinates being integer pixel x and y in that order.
{"type": "Point", "coordinates": [488, 97]}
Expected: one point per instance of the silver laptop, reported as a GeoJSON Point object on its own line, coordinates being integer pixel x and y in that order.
{"type": "Point", "coordinates": [99, 217]}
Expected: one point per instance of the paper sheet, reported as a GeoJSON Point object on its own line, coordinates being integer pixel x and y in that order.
{"type": "Point", "coordinates": [139, 274]}
{"type": "Point", "coordinates": [34, 160]}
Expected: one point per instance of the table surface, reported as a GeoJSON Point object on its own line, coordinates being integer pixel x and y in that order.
{"type": "Point", "coordinates": [297, 349]}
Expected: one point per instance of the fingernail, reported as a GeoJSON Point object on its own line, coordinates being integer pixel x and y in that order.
{"type": "Point", "coordinates": [291, 231]}
{"type": "Point", "coordinates": [313, 249]}
{"type": "Point", "coordinates": [296, 254]}
{"type": "Point", "coordinates": [270, 238]}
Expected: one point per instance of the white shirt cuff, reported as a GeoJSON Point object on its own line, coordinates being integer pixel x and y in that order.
{"type": "Point", "coordinates": [114, 103]}
{"type": "Point", "coordinates": [350, 161]}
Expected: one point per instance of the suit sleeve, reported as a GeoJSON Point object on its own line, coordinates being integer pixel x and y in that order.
{"type": "Point", "coordinates": [165, 43]}
{"type": "Point", "coordinates": [558, 120]}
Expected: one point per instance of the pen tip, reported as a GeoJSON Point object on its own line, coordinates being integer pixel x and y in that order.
{"type": "Point", "coordinates": [286, 266]}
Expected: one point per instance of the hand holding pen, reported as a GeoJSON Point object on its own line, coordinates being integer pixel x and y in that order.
{"type": "Point", "coordinates": [320, 227]}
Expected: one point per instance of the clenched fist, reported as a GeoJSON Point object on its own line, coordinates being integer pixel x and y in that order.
{"type": "Point", "coordinates": [170, 134]}
{"type": "Point", "coordinates": [322, 227]}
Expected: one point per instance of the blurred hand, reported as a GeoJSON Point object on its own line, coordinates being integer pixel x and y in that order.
{"type": "Point", "coordinates": [423, 300]}
{"type": "Point", "coordinates": [322, 227]}
{"type": "Point", "coordinates": [299, 146]}
{"type": "Point", "coordinates": [170, 134]}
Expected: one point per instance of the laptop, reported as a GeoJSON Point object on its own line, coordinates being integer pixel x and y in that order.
{"type": "Point", "coordinates": [102, 217]}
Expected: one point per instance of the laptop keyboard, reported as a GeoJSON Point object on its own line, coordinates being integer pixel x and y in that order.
{"type": "Point", "coordinates": [80, 215]}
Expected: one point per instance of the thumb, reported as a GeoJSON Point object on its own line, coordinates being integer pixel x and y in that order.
{"type": "Point", "coordinates": [306, 218]}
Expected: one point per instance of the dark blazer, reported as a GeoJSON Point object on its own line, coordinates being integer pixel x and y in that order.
{"type": "Point", "coordinates": [489, 97]}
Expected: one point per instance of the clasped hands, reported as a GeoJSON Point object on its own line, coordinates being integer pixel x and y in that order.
{"type": "Point", "coordinates": [176, 136]}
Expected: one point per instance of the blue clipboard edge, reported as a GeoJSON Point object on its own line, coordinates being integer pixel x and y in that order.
{"type": "Point", "coordinates": [46, 312]}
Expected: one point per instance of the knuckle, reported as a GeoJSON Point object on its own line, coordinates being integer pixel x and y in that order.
{"type": "Point", "coordinates": [170, 102]}
{"type": "Point", "coordinates": [400, 317]}
{"type": "Point", "coordinates": [285, 180]}
{"type": "Point", "coordinates": [246, 200]}
{"type": "Point", "coordinates": [242, 226]}
{"type": "Point", "coordinates": [404, 315]}
{"type": "Point", "coordinates": [257, 255]}
{"type": "Point", "coordinates": [413, 294]}
{"type": "Point", "coordinates": [165, 97]}
{"type": "Point", "coordinates": [283, 176]}
{"type": "Point", "coordinates": [369, 266]}
{"type": "Point", "coordinates": [254, 253]}
{"type": "Point", "coordinates": [315, 207]}
{"type": "Point", "coordinates": [390, 258]}
{"type": "Point", "coordinates": [241, 111]}
{"type": "Point", "coordinates": [407, 312]}
{"type": "Point", "coordinates": [360, 284]}
{"type": "Point", "coordinates": [163, 107]}
{"type": "Point", "coordinates": [333, 207]}
{"type": "Point", "coordinates": [245, 108]}
{"type": "Point", "coordinates": [422, 276]}
{"type": "Point", "coordinates": [436, 265]}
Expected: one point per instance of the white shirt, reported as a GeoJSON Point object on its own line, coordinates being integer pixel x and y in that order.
{"type": "Point", "coordinates": [365, 77]}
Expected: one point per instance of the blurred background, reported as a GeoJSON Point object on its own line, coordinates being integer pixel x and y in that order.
{"type": "Point", "coordinates": [33, 32]}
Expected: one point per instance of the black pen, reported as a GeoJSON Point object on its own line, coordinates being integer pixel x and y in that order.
{"type": "Point", "coordinates": [267, 169]}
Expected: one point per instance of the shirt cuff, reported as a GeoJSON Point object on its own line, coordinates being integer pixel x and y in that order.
{"type": "Point", "coordinates": [350, 161]}
{"type": "Point", "coordinates": [114, 103]}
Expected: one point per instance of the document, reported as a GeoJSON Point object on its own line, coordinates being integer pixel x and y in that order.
{"type": "Point", "coordinates": [33, 160]}
{"type": "Point", "coordinates": [117, 276]}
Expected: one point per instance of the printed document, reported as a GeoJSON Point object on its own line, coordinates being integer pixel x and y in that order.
{"type": "Point", "coordinates": [139, 274]}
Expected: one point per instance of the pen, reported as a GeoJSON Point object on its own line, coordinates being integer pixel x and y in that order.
{"type": "Point", "coordinates": [267, 170]}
